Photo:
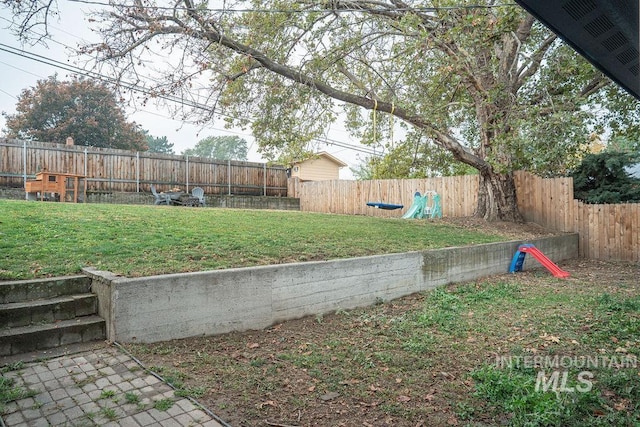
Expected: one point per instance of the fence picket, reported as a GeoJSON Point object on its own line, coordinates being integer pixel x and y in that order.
{"type": "Point", "coordinates": [122, 170]}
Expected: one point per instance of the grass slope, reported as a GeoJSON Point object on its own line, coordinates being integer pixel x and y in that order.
{"type": "Point", "coordinates": [51, 239]}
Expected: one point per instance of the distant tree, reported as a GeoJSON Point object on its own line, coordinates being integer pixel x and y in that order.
{"type": "Point", "coordinates": [220, 147]}
{"type": "Point", "coordinates": [624, 144]}
{"type": "Point", "coordinates": [364, 170]}
{"type": "Point", "coordinates": [604, 178]}
{"type": "Point", "coordinates": [84, 109]}
{"type": "Point", "coordinates": [158, 144]}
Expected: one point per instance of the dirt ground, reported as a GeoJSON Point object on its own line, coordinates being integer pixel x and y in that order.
{"type": "Point", "coordinates": [344, 369]}
{"type": "Point", "coordinates": [527, 230]}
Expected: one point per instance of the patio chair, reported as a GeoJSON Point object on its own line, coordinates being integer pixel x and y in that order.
{"type": "Point", "coordinates": [159, 198]}
{"type": "Point", "coordinates": [199, 193]}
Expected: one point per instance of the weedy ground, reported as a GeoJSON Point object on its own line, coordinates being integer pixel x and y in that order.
{"type": "Point", "coordinates": [433, 359]}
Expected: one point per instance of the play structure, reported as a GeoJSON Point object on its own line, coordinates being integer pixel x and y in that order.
{"type": "Point", "coordinates": [523, 250]}
{"type": "Point", "coordinates": [427, 206]}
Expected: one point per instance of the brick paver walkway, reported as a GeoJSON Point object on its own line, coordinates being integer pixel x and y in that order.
{"type": "Point", "coordinates": [101, 387]}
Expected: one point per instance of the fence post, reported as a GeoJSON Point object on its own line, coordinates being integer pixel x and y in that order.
{"type": "Point", "coordinates": [137, 171]}
{"type": "Point", "coordinates": [264, 177]}
{"type": "Point", "coordinates": [24, 167]}
{"type": "Point", "coordinates": [229, 175]}
{"type": "Point", "coordinates": [187, 163]}
{"type": "Point", "coordinates": [85, 166]}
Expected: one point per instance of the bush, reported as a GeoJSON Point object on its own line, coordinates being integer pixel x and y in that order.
{"type": "Point", "coordinates": [603, 178]}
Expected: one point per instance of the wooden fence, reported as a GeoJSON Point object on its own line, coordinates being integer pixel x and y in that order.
{"type": "Point", "coordinates": [129, 171]}
{"type": "Point", "coordinates": [459, 195]}
{"type": "Point", "coordinates": [607, 232]}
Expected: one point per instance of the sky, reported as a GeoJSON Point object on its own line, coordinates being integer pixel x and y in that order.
{"type": "Point", "coordinates": [72, 29]}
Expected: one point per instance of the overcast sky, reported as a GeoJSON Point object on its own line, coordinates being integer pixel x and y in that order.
{"type": "Point", "coordinates": [71, 30]}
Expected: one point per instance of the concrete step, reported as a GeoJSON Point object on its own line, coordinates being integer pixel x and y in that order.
{"type": "Point", "coordinates": [26, 290]}
{"type": "Point", "coordinates": [24, 339]}
{"type": "Point", "coordinates": [48, 310]}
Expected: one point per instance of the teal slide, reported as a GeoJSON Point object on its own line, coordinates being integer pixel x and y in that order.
{"type": "Point", "coordinates": [419, 208]}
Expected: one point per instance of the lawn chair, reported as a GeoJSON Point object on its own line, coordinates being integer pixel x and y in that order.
{"type": "Point", "coordinates": [198, 193]}
{"type": "Point", "coordinates": [159, 198]}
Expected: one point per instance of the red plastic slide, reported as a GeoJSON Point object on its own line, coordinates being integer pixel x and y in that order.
{"type": "Point", "coordinates": [546, 262]}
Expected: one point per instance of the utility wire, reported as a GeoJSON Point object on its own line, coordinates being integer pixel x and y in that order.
{"type": "Point", "coordinates": [149, 92]}
{"type": "Point", "coordinates": [345, 10]}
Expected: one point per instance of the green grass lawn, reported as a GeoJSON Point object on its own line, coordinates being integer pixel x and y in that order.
{"type": "Point", "coordinates": [51, 239]}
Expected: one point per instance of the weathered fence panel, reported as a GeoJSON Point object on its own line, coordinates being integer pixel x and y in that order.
{"type": "Point", "coordinates": [128, 171]}
{"type": "Point", "coordinates": [458, 195]}
{"type": "Point", "coordinates": [608, 232]}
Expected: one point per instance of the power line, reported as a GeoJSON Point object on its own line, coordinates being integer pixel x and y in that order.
{"type": "Point", "coordinates": [20, 69]}
{"type": "Point", "coordinates": [7, 93]}
{"type": "Point", "coordinates": [170, 98]}
{"type": "Point", "coordinates": [341, 10]}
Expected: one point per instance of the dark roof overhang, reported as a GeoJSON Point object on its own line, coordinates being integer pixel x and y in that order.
{"type": "Point", "coordinates": [605, 32]}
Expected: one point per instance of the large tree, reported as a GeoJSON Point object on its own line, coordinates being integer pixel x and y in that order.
{"type": "Point", "coordinates": [220, 148]}
{"type": "Point", "coordinates": [83, 109]}
{"type": "Point", "coordinates": [481, 80]}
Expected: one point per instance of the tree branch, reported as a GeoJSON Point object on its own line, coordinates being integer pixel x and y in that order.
{"type": "Point", "coordinates": [530, 67]}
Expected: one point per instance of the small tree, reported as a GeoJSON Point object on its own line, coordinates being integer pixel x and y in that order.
{"type": "Point", "coordinates": [86, 110]}
{"type": "Point", "coordinates": [158, 144]}
{"type": "Point", "coordinates": [220, 148]}
{"type": "Point", "coordinates": [603, 178]}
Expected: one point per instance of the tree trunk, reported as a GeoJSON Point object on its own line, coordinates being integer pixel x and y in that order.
{"type": "Point", "coordinates": [497, 197]}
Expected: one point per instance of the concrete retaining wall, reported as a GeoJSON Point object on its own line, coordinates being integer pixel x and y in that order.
{"type": "Point", "coordinates": [159, 308]}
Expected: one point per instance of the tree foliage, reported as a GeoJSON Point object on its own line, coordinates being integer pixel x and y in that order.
{"type": "Point", "coordinates": [484, 84]}
{"type": "Point", "coordinates": [158, 144]}
{"type": "Point", "coordinates": [220, 148]}
{"type": "Point", "coordinates": [604, 178]}
{"type": "Point", "coordinates": [83, 109]}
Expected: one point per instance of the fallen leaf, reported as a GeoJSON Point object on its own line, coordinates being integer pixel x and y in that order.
{"type": "Point", "coordinates": [267, 403]}
{"type": "Point", "coordinates": [312, 388]}
{"type": "Point", "coordinates": [253, 345]}
{"type": "Point", "coordinates": [403, 398]}
{"type": "Point", "coordinates": [329, 396]}
{"type": "Point", "coordinates": [551, 338]}
{"type": "Point", "coordinates": [620, 406]}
